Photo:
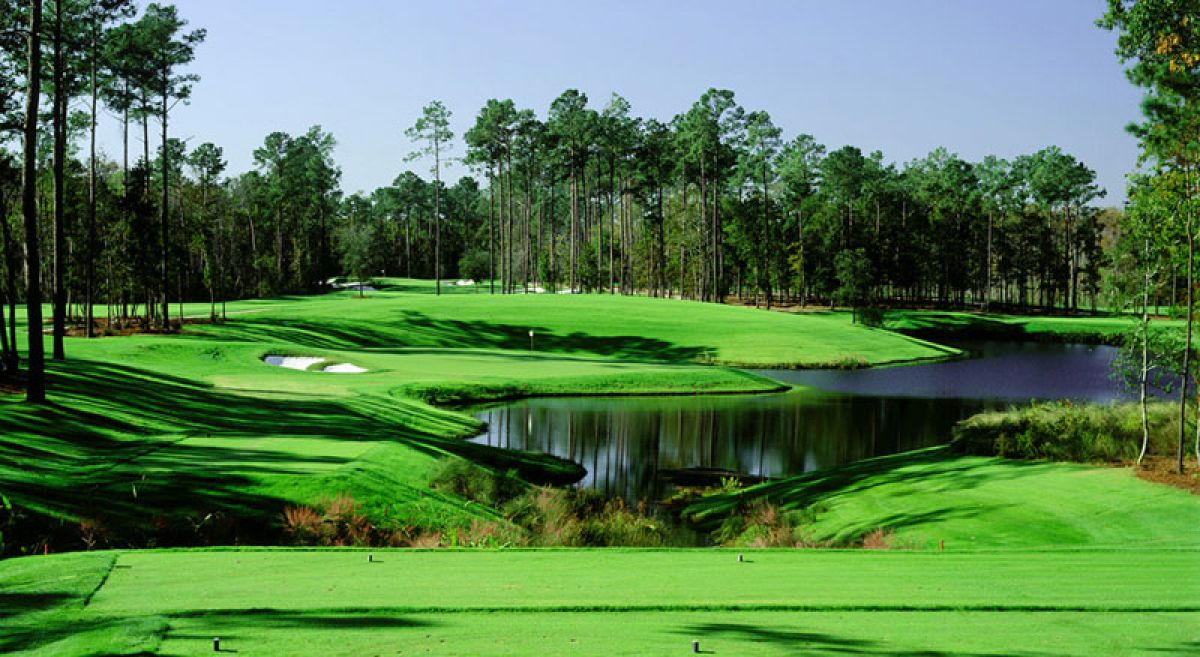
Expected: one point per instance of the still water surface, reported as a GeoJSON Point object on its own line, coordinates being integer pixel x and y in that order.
{"type": "Point", "coordinates": [633, 447]}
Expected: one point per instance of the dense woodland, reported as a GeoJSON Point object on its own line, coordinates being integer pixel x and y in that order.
{"type": "Point", "coordinates": [714, 204]}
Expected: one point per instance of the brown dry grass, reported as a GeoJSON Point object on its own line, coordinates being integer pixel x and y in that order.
{"type": "Point", "coordinates": [1162, 470]}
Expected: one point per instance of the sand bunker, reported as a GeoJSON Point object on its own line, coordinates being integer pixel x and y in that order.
{"type": "Point", "coordinates": [302, 363]}
{"type": "Point", "coordinates": [293, 362]}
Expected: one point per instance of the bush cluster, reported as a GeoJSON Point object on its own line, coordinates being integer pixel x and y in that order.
{"type": "Point", "coordinates": [476, 483]}
{"type": "Point", "coordinates": [1064, 431]}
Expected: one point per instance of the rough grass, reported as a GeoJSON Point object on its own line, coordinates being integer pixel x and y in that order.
{"type": "Point", "coordinates": [1062, 431]}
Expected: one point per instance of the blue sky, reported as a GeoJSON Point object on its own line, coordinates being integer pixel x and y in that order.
{"type": "Point", "coordinates": [899, 76]}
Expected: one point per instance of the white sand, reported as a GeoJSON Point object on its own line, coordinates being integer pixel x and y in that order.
{"type": "Point", "coordinates": [344, 368]}
{"type": "Point", "coordinates": [293, 362]}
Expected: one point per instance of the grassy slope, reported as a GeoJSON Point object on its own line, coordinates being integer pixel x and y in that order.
{"type": "Point", "coordinates": [1100, 328]}
{"type": "Point", "coordinates": [285, 602]}
{"type": "Point", "coordinates": [212, 427]}
{"type": "Point", "coordinates": [928, 496]}
{"type": "Point", "coordinates": [150, 425]}
{"type": "Point", "coordinates": [628, 328]}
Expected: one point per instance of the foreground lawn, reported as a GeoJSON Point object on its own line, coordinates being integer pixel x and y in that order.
{"type": "Point", "coordinates": [284, 602]}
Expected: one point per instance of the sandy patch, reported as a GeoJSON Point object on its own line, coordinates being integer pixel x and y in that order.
{"type": "Point", "coordinates": [293, 362]}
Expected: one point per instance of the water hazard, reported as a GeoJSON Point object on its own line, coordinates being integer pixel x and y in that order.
{"type": "Point", "coordinates": [639, 447]}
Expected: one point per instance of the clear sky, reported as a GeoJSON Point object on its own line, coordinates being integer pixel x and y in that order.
{"type": "Point", "coordinates": [900, 76]}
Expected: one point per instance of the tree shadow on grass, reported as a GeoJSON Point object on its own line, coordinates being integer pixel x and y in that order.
{"type": "Point", "coordinates": [935, 324]}
{"type": "Point", "coordinates": [234, 620]}
{"type": "Point", "coordinates": [60, 627]}
{"type": "Point", "coordinates": [118, 445]}
{"type": "Point", "coordinates": [417, 329]}
{"type": "Point", "coordinates": [800, 492]}
{"type": "Point", "coordinates": [819, 643]}
{"type": "Point", "coordinates": [17, 604]}
{"type": "Point", "coordinates": [1184, 648]}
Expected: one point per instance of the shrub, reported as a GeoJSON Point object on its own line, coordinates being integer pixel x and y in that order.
{"type": "Point", "coordinates": [1064, 431]}
{"type": "Point", "coordinates": [760, 525]}
{"type": "Point", "coordinates": [476, 483]}
{"type": "Point", "coordinates": [337, 521]}
{"type": "Point", "coordinates": [581, 518]}
{"type": "Point", "coordinates": [304, 525]}
{"type": "Point", "coordinates": [880, 539]}
{"type": "Point", "coordinates": [92, 532]}
{"type": "Point", "coordinates": [869, 315]}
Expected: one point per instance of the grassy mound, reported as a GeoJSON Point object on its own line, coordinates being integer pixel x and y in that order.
{"type": "Point", "coordinates": [192, 439]}
{"type": "Point", "coordinates": [929, 496]}
{"type": "Point", "coordinates": [1106, 329]}
{"type": "Point", "coordinates": [609, 326]}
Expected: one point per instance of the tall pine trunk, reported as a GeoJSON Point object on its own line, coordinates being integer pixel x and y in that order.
{"type": "Point", "coordinates": [437, 220]}
{"type": "Point", "coordinates": [165, 213]}
{"type": "Point", "coordinates": [492, 230]}
{"type": "Point", "coordinates": [59, 130]}
{"type": "Point", "coordinates": [35, 391]}
{"type": "Point", "coordinates": [10, 266]}
{"type": "Point", "coordinates": [1144, 373]}
{"type": "Point", "coordinates": [1189, 229]}
{"type": "Point", "coordinates": [90, 267]}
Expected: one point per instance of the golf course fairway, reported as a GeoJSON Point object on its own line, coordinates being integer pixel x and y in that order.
{"type": "Point", "coordinates": [193, 439]}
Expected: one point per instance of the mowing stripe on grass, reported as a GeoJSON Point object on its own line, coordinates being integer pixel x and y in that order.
{"type": "Point", "coordinates": [186, 582]}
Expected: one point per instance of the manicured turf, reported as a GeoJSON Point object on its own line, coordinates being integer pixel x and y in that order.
{"type": "Point", "coordinates": [452, 580]}
{"type": "Point", "coordinates": [1082, 328]}
{"type": "Point", "coordinates": [193, 438]}
{"type": "Point", "coordinates": [629, 328]}
{"type": "Point", "coordinates": [148, 427]}
{"type": "Point", "coordinates": [596, 602]}
{"type": "Point", "coordinates": [929, 496]}
{"type": "Point", "coordinates": [756, 634]}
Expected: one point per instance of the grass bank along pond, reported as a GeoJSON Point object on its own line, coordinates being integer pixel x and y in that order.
{"type": "Point", "coordinates": [638, 447]}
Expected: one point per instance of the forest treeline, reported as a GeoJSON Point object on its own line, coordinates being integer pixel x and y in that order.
{"type": "Point", "coordinates": [715, 202]}
{"type": "Point", "coordinates": [578, 196]}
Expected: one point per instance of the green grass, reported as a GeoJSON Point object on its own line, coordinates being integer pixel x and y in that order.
{"type": "Point", "coordinates": [150, 426]}
{"type": "Point", "coordinates": [627, 328]}
{"type": "Point", "coordinates": [928, 496]}
{"type": "Point", "coordinates": [600, 602]}
{"type": "Point", "coordinates": [1105, 328]}
{"type": "Point", "coordinates": [152, 430]}
{"type": "Point", "coordinates": [193, 439]}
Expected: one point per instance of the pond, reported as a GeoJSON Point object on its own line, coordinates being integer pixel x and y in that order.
{"type": "Point", "coordinates": [638, 448]}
